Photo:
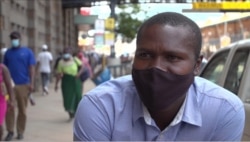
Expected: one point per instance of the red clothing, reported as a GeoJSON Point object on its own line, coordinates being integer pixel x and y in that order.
{"type": "Point", "coordinates": [85, 61]}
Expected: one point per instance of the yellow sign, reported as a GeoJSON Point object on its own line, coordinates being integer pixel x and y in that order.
{"type": "Point", "coordinates": [221, 5]}
{"type": "Point", "coordinates": [236, 5]}
{"type": "Point", "coordinates": [110, 24]}
{"type": "Point", "coordinates": [206, 5]}
{"type": "Point", "coordinates": [109, 38]}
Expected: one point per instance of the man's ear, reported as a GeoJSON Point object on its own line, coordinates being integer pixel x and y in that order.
{"type": "Point", "coordinates": [197, 67]}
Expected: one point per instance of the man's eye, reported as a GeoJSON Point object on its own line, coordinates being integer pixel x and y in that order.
{"type": "Point", "coordinates": [144, 55]}
{"type": "Point", "coordinates": [173, 58]}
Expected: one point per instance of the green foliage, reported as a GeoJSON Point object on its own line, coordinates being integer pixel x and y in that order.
{"type": "Point", "coordinates": [127, 22]}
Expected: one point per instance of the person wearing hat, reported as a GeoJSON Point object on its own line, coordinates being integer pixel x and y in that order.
{"type": "Point", "coordinates": [44, 61]}
{"type": "Point", "coordinates": [21, 62]}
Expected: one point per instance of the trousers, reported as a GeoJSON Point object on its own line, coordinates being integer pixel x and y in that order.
{"type": "Point", "coordinates": [21, 95]}
{"type": "Point", "coordinates": [45, 79]}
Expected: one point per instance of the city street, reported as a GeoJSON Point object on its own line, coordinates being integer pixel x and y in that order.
{"type": "Point", "coordinates": [47, 120]}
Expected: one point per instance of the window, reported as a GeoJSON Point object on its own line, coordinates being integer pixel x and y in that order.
{"type": "Point", "coordinates": [13, 26]}
{"type": "Point", "coordinates": [23, 10]}
{"type": "Point", "coordinates": [17, 7]}
{"type": "Point", "coordinates": [236, 70]}
{"type": "Point", "coordinates": [12, 3]}
{"type": "Point", "coordinates": [23, 30]}
{"type": "Point", "coordinates": [214, 69]}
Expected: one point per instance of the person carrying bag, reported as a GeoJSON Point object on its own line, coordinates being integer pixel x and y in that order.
{"type": "Point", "coordinates": [103, 74]}
{"type": "Point", "coordinates": [85, 73]}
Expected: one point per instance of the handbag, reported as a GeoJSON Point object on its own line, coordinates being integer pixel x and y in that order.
{"type": "Point", "coordinates": [85, 74]}
{"type": "Point", "coordinates": [104, 76]}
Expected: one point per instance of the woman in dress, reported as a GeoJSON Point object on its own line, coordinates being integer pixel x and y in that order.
{"type": "Point", "coordinates": [68, 71]}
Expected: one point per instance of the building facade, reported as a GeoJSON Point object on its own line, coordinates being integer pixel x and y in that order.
{"type": "Point", "coordinates": [217, 35]}
{"type": "Point", "coordinates": [39, 22]}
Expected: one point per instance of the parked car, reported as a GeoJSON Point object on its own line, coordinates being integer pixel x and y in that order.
{"type": "Point", "coordinates": [229, 67]}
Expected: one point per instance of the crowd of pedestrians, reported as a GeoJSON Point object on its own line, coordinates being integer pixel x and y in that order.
{"type": "Point", "coordinates": [20, 68]}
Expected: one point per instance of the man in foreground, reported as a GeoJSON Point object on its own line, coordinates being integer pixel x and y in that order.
{"type": "Point", "coordinates": [162, 100]}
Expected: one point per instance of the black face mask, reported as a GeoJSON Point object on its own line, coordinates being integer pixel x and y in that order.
{"type": "Point", "coordinates": [158, 89]}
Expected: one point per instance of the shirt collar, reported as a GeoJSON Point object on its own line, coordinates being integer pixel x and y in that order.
{"type": "Point", "coordinates": [176, 120]}
{"type": "Point", "coordinates": [192, 113]}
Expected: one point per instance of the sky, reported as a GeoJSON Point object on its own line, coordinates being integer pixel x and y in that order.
{"type": "Point", "coordinates": [104, 12]}
{"type": "Point", "coordinates": [152, 9]}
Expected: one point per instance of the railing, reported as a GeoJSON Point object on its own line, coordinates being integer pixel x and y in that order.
{"type": "Point", "coordinates": [121, 69]}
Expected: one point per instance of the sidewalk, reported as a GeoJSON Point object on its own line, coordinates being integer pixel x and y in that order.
{"type": "Point", "coordinates": [47, 121]}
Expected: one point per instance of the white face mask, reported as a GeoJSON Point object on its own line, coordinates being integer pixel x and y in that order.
{"type": "Point", "coordinates": [15, 43]}
{"type": "Point", "coordinates": [66, 56]}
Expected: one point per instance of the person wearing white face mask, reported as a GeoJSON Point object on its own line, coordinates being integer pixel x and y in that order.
{"type": "Point", "coordinates": [15, 43]}
{"type": "Point", "coordinates": [21, 62]}
{"type": "Point", "coordinates": [68, 72]}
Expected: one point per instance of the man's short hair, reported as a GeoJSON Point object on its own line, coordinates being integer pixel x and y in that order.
{"type": "Point", "coordinates": [175, 20]}
{"type": "Point", "coordinates": [15, 35]}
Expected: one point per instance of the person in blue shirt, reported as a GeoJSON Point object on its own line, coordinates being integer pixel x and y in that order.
{"type": "Point", "coordinates": [163, 99]}
{"type": "Point", "coordinates": [21, 62]}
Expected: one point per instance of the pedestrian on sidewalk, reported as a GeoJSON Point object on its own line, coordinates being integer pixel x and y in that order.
{"type": "Point", "coordinates": [71, 85]}
{"type": "Point", "coordinates": [44, 62]}
{"type": "Point", "coordinates": [7, 98]}
{"type": "Point", "coordinates": [21, 62]}
{"type": "Point", "coordinates": [83, 57]}
{"type": "Point", "coordinates": [101, 72]}
{"type": "Point", "coordinates": [57, 59]}
{"type": "Point", "coordinates": [87, 72]}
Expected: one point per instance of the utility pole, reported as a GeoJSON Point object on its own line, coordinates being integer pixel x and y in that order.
{"type": "Point", "coordinates": [112, 15]}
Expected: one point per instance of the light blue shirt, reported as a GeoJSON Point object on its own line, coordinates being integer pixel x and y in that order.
{"type": "Point", "coordinates": [113, 111]}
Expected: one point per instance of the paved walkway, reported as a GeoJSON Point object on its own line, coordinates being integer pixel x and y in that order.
{"type": "Point", "coordinates": [47, 120]}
